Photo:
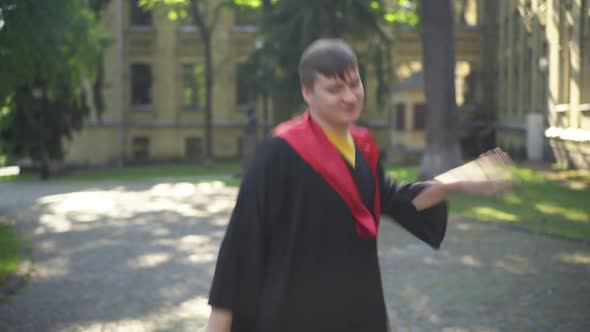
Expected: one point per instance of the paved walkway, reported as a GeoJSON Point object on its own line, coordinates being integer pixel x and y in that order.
{"type": "Point", "coordinates": [140, 256]}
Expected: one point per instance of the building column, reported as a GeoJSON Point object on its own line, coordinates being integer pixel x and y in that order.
{"type": "Point", "coordinates": [500, 58]}
{"type": "Point", "coordinates": [166, 69]}
{"type": "Point", "coordinates": [510, 95]}
{"type": "Point", "coordinates": [522, 45]}
{"type": "Point", "coordinates": [534, 101]}
{"type": "Point", "coordinates": [575, 43]}
{"type": "Point", "coordinates": [552, 31]}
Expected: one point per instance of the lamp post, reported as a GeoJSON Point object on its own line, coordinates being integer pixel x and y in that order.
{"type": "Point", "coordinates": [38, 92]}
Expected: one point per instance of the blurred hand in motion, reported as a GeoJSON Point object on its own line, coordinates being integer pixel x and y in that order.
{"type": "Point", "coordinates": [491, 173]}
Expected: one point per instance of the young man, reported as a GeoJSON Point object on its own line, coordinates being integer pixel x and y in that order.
{"type": "Point", "coordinates": [300, 251]}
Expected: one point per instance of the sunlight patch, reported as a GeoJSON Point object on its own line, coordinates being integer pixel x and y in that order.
{"type": "Point", "coordinates": [194, 240]}
{"type": "Point", "coordinates": [208, 187]}
{"type": "Point", "coordinates": [570, 214]}
{"type": "Point", "coordinates": [512, 198]}
{"type": "Point", "coordinates": [55, 223]}
{"type": "Point", "coordinates": [487, 212]}
{"type": "Point", "coordinates": [9, 171]}
{"type": "Point", "coordinates": [463, 226]}
{"type": "Point", "coordinates": [83, 201]}
{"type": "Point", "coordinates": [184, 189]}
{"type": "Point", "coordinates": [150, 260]}
{"type": "Point", "coordinates": [219, 205]}
{"type": "Point", "coordinates": [577, 258]}
{"type": "Point", "coordinates": [470, 261]}
{"type": "Point", "coordinates": [128, 325]}
{"type": "Point", "coordinates": [197, 306]}
{"type": "Point", "coordinates": [202, 258]}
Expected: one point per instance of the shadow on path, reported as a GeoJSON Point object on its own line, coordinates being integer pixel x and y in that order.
{"type": "Point", "coordinates": [140, 256]}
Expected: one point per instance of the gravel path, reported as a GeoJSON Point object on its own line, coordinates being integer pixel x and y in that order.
{"type": "Point", "coordinates": [140, 256]}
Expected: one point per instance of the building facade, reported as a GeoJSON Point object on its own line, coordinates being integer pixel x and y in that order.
{"type": "Point", "coordinates": [154, 89]}
{"type": "Point", "coordinates": [543, 86]}
{"type": "Point", "coordinates": [522, 78]}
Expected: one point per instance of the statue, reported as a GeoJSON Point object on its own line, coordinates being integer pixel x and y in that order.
{"type": "Point", "coordinates": [249, 139]}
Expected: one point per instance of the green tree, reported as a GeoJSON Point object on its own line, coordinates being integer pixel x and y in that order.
{"type": "Point", "coordinates": [288, 26]}
{"type": "Point", "coordinates": [204, 14]}
{"type": "Point", "coordinates": [47, 48]}
{"type": "Point", "coordinates": [442, 144]}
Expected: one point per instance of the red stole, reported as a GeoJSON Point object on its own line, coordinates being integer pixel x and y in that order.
{"type": "Point", "coordinates": [308, 139]}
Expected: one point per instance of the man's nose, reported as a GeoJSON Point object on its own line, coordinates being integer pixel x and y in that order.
{"type": "Point", "coordinates": [349, 97]}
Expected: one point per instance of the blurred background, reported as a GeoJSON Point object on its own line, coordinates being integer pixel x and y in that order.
{"type": "Point", "coordinates": [143, 114]}
{"type": "Point", "coordinates": [116, 82]}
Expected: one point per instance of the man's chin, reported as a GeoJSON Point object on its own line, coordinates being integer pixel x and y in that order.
{"type": "Point", "coordinates": [352, 119]}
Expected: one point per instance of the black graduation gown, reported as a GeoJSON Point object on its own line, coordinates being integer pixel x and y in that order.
{"type": "Point", "coordinates": [291, 259]}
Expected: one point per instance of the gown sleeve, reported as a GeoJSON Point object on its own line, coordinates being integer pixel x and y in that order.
{"type": "Point", "coordinates": [239, 270]}
{"type": "Point", "coordinates": [428, 225]}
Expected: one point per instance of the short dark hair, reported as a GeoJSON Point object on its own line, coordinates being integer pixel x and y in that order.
{"type": "Point", "coordinates": [329, 57]}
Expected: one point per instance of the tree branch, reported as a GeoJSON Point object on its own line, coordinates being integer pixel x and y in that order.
{"type": "Point", "coordinates": [197, 16]}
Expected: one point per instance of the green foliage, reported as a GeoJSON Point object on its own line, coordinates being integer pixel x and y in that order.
{"type": "Point", "coordinates": [9, 251]}
{"type": "Point", "coordinates": [288, 26]}
{"type": "Point", "coordinates": [48, 46]}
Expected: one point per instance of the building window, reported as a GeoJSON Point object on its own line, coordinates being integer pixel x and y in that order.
{"type": "Point", "coordinates": [245, 94]}
{"type": "Point", "coordinates": [193, 86]}
{"type": "Point", "coordinates": [193, 148]}
{"type": "Point", "coordinates": [420, 116]}
{"type": "Point", "coordinates": [139, 16]}
{"type": "Point", "coordinates": [141, 84]}
{"type": "Point", "coordinates": [400, 116]}
{"type": "Point", "coordinates": [141, 148]}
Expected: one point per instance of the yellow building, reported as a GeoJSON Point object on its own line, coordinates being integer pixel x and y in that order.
{"type": "Point", "coordinates": [154, 90]}
{"type": "Point", "coordinates": [543, 62]}
{"type": "Point", "coordinates": [522, 72]}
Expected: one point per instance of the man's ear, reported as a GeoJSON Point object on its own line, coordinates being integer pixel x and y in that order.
{"type": "Point", "coordinates": [306, 92]}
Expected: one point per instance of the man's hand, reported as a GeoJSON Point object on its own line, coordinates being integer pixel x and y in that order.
{"type": "Point", "coordinates": [219, 321]}
{"type": "Point", "coordinates": [484, 188]}
{"type": "Point", "coordinates": [490, 174]}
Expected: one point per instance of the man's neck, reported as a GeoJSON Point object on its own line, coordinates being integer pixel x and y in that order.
{"type": "Point", "coordinates": [341, 131]}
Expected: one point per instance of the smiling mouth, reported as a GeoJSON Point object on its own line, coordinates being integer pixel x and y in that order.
{"type": "Point", "coordinates": [349, 109]}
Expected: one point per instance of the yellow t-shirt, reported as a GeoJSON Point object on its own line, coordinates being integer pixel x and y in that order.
{"type": "Point", "coordinates": [344, 145]}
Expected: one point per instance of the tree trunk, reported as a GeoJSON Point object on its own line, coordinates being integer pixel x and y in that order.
{"type": "Point", "coordinates": [442, 145]}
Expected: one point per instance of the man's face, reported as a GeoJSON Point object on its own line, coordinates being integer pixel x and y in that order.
{"type": "Point", "coordinates": [337, 102]}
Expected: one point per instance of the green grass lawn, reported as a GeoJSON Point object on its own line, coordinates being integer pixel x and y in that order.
{"type": "Point", "coordinates": [539, 202]}
{"type": "Point", "coordinates": [156, 171]}
{"type": "Point", "coordinates": [10, 246]}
